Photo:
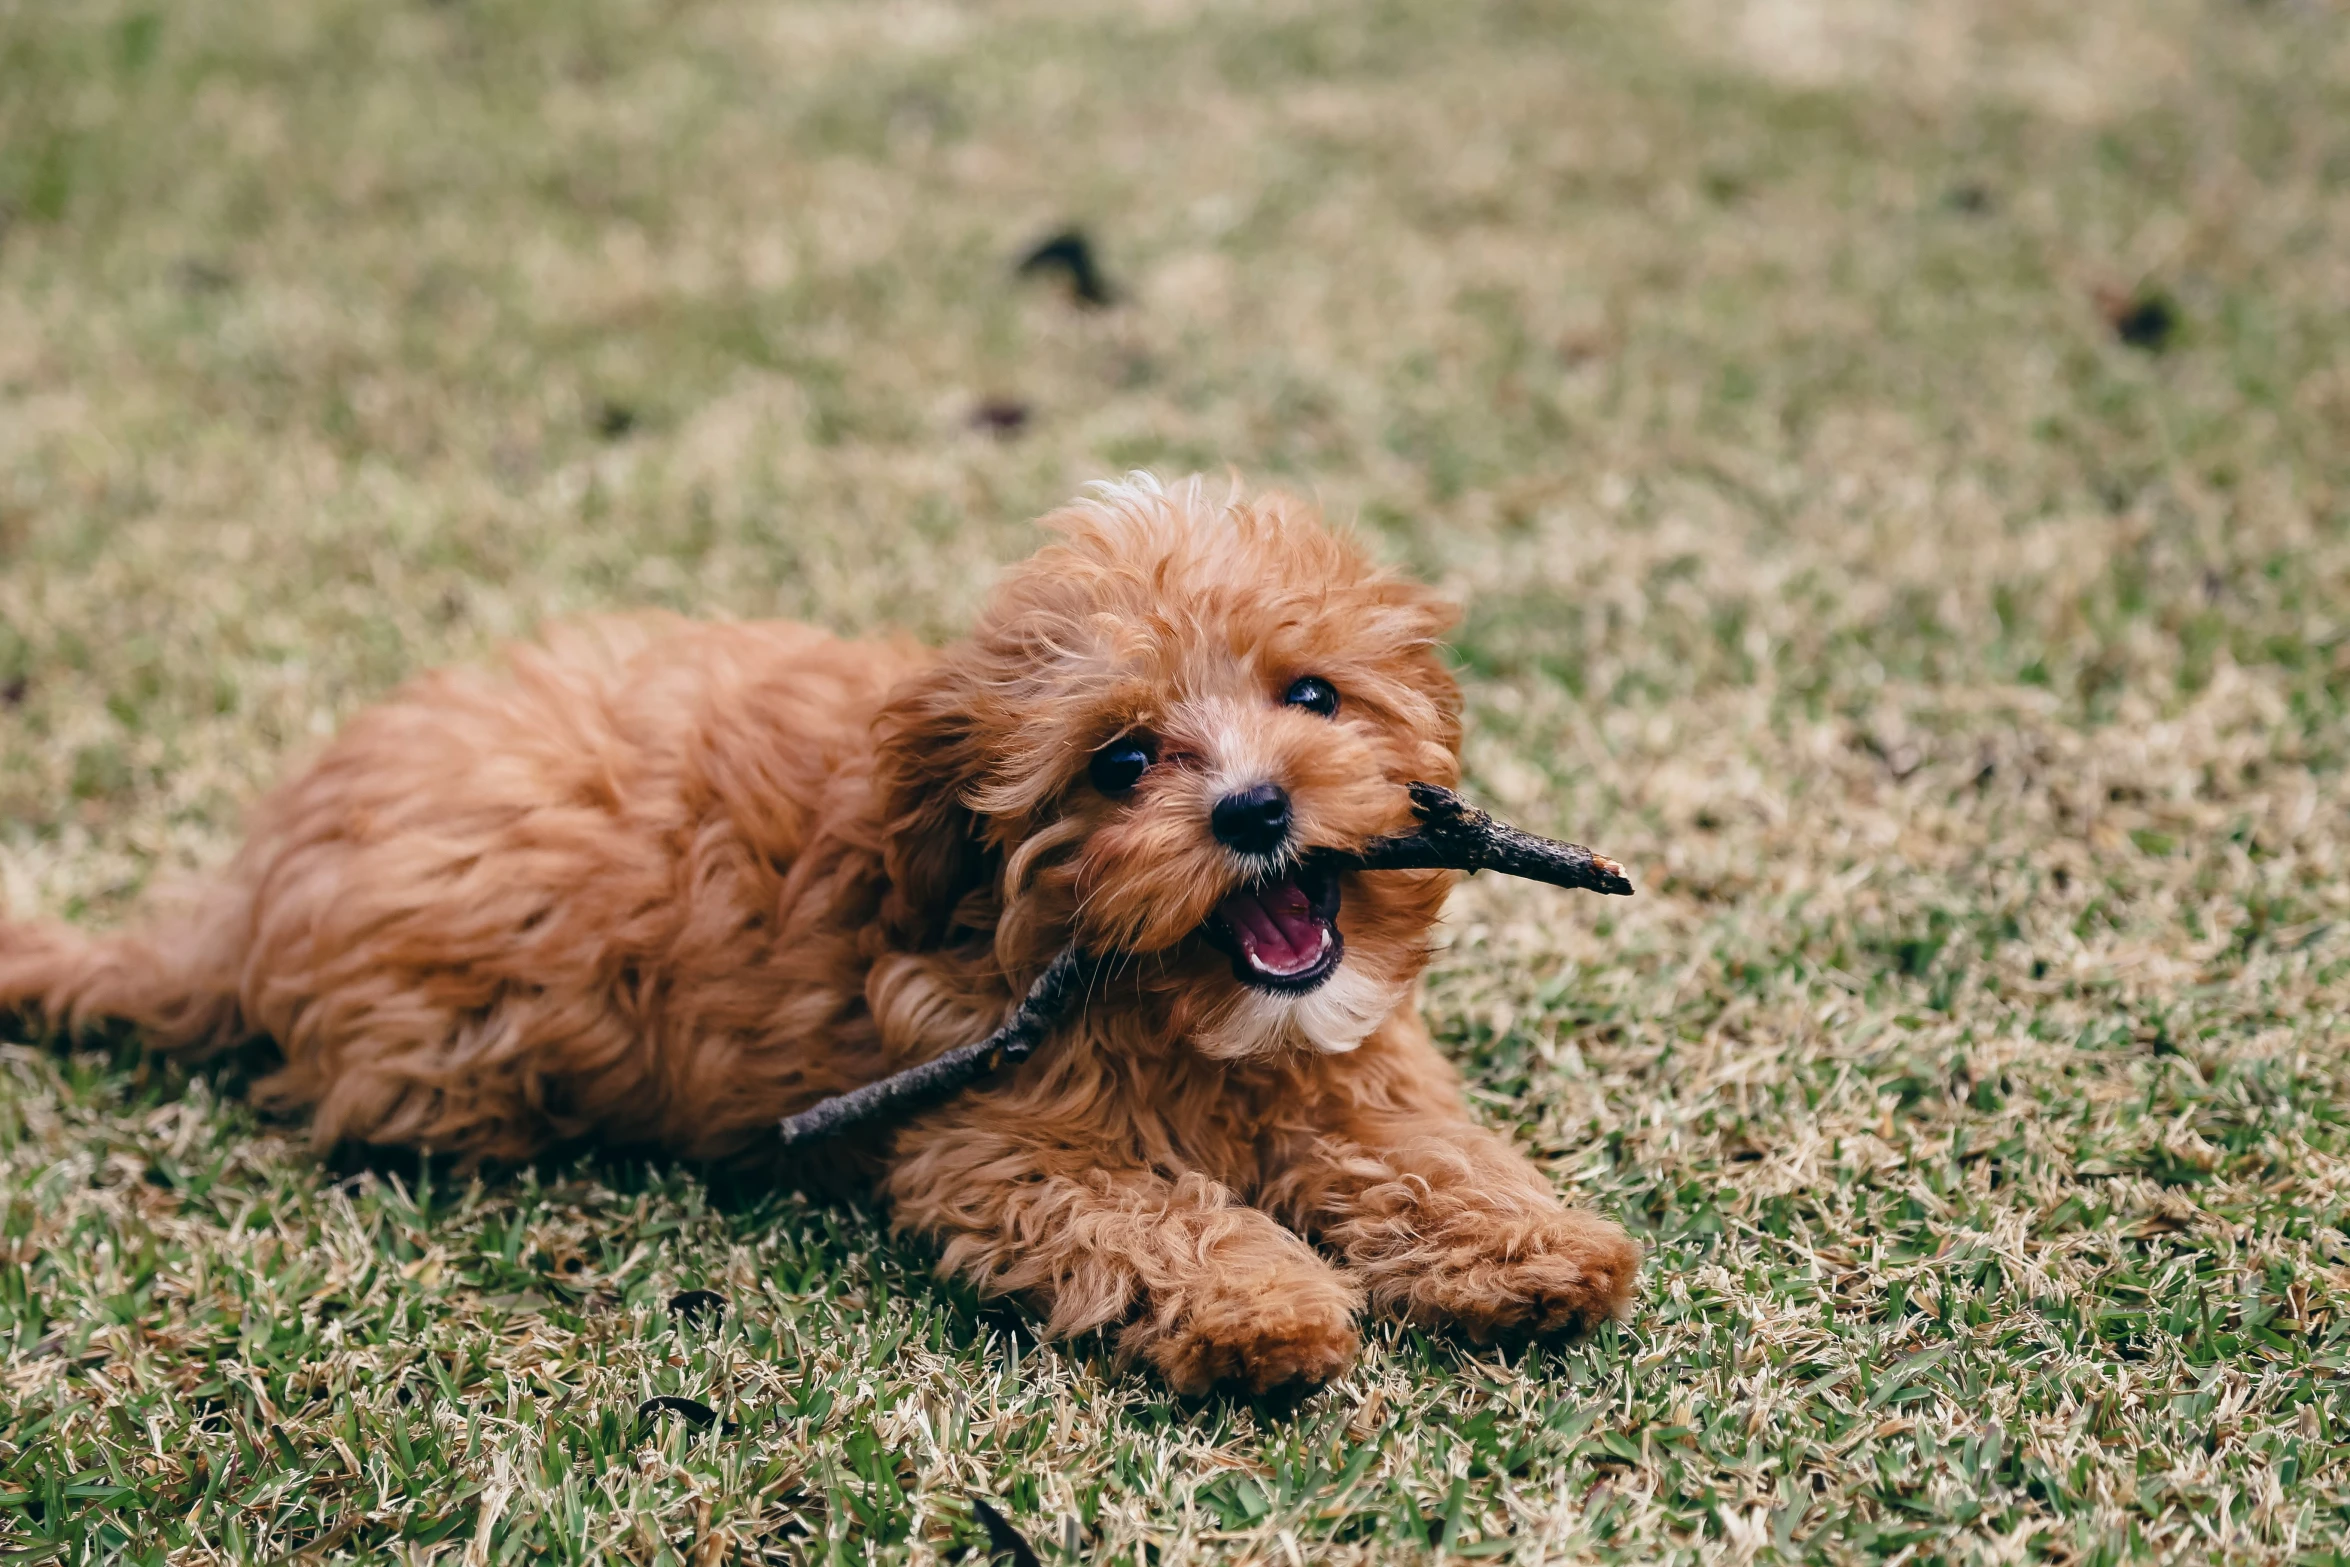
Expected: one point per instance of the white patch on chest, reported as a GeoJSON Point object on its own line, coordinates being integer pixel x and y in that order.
{"type": "Point", "coordinates": [1332, 1018]}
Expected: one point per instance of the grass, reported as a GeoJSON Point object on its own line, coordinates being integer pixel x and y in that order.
{"type": "Point", "coordinates": [1893, 461]}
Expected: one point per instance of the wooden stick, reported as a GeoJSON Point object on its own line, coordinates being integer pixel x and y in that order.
{"type": "Point", "coordinates": [1452, 835]}
{"type": "Point", "coordinates": [1049, 1000]}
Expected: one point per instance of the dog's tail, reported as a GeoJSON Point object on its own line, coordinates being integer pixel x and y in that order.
{"type": "Point", "coordinates": [175, 979]}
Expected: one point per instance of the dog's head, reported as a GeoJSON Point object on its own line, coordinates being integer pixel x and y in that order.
{"type": "Point", "coordinates": [1157, 721]}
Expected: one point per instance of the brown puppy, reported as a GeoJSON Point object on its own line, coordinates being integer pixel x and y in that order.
{"type": "Point", "coordinates": [659, 882]}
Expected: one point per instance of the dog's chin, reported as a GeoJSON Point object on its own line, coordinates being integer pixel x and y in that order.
{"type": "Point", "coordinates": [1293, 986]}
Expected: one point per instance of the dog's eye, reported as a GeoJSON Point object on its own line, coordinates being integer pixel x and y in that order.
{"type": "Point", "coordinates": [1314, 694]}
{"type": "Point", "coordinates": [1119, 766]}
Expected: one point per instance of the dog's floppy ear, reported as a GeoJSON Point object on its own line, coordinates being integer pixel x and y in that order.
{"type": "Point", "coordinates": [927, 756]}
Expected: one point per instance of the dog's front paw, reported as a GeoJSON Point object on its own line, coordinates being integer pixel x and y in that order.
{"type": "Point", "coordinates": [1297, 1333]}
{"type": "Point", "coordinates": [1569, 1275]}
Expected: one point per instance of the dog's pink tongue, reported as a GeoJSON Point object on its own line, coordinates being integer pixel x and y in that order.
{"type": "Point", "coordinates": [1275, 926]}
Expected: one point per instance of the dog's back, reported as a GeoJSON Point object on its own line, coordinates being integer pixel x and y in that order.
{"type": "Point", "coordinates": [475, 921]}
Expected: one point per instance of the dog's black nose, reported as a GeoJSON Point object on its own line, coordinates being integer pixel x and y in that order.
{"type": "Point", "coordinates": [1253, 820]}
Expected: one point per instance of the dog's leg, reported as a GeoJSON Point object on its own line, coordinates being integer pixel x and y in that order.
{"type": "Point", "coordinates": [1212, 1291]}
{"type": "Point", "coordinates": [1443, 1221]}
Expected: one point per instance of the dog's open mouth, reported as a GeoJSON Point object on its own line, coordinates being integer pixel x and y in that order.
{"type": "Point", "coordinates": [1283, 933]}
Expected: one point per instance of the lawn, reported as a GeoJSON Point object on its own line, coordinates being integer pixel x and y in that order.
{"type": "Point", "coordinates": [1896, 463]}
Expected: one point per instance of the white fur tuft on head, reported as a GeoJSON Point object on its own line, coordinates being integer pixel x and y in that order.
{"type": "Point", "coordinates": [1142, 503]}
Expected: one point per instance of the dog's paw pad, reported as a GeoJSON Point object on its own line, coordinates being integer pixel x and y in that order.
{"type": "Point", "coordinates": [1258, 1346]}
{"type": "Point", "coordinates": [1571, 1284]}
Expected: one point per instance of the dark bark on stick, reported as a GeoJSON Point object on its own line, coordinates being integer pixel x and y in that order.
{"type": "Point", "coordinates": [1453, 835]}
{"type": "Point", "coordinates": [1049, 1000]}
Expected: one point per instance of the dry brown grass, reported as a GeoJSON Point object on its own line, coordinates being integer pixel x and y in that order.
{"type": "Point", "coordinates": [1964, 685]}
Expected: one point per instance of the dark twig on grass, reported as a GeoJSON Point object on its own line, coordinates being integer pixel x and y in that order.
{"type": "Point", "coordinates": [1070, 254]}
{"type": "Point", "coordinates": [693, 1305]}
{"type": "Point", "coordinates": [696, 1413]}
{"type": "Point", "coordinates": [1452, 835]}
{"type": "Point", "coordinates": [1002, 1538]}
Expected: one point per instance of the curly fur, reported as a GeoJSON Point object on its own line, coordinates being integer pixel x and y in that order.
{"type": "Point", "coordinates": [661, 882]}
